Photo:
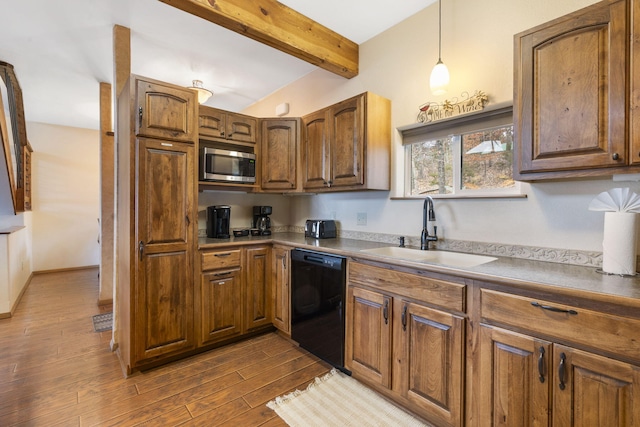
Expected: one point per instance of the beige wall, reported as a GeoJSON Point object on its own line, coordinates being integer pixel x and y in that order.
{"type": "Point", "coordinates": [66, 196]}
{"type": "Point", "coordinates": [477, 46]}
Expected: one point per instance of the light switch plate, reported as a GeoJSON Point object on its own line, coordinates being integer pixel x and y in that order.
{"type": "Point", "coordinates": [361, 218]}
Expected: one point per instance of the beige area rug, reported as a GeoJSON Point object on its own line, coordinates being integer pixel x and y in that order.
{"type": "Point", "coordinates": [339, 400]}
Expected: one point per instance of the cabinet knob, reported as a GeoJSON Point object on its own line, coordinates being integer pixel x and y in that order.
{"type": "Point", "coordinates": [616, 156]}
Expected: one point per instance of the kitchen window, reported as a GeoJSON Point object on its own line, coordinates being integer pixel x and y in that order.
{"type": "Point", "coordinates": [465, 156]}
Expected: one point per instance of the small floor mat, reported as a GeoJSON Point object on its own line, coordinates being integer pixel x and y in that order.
{"type": "Point", "coordinates": [103, 322]}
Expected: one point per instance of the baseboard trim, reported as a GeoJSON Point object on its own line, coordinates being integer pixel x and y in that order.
{"type": "Point", "coordinates": [61, 270]}
{"type": "Point", "coordinates": [102, 302]}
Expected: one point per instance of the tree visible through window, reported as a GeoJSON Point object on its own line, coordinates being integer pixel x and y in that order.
{"type": "Point", "coordinates": [467, 162]}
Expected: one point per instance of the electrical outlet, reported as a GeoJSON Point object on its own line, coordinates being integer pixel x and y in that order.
{"type": "Point", "coordinates": [361, 218]}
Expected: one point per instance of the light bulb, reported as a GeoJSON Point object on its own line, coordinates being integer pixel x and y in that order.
{"type": "Point", "coordinates": [439, 79]}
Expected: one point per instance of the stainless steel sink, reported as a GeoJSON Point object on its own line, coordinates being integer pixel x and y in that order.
{"type": "Point", "coordinates": [452, 259]}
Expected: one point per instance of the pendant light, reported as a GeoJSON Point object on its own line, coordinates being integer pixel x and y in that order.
{"type": "Point", "coordinates": [203, 94]}
{"type": "Point", "coordinates": [439, 79]}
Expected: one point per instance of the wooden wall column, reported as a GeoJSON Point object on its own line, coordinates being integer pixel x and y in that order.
{"type": "Point", "coordinates": [107, 213]}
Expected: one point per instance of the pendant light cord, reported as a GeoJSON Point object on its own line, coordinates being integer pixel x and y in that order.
{"type": "Point", "coordinates": [439, 30]}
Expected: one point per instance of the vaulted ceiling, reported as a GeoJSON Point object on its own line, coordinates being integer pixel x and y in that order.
{"type": "Point", "coordinates": [62, 49]}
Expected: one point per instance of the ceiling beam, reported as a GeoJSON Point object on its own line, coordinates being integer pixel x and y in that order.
{"type": "Point", "coordinates": [280, 27]}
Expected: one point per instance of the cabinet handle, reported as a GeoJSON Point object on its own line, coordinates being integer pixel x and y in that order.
{"type": "Point", "coordinates": [222, 255]}
{"type": "Point", "coordinates": [616, 156]}
{"type": "Point", "coordinates": [404, 318]}
{"type": "Point", "coordinates": [226, 273]}
{"type": "Point", "coordinates": [141, 248]}
{"type": "Point", "coordinates": [562, 369]}
{"type": "Point", "coordinates": [385, 312]}
{"type": "Point", "coordinates": [188, 220]}
{"type": "Point", "coordinates": [139, 117]}
{"type": "Point", "coordinates": [554, 309]}
{"type": "Point", "coordinates": [221, 133]}
{"type": "Point", "coordinates": [541, 364]}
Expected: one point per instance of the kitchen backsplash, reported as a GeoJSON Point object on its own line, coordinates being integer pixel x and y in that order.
{"type": "Point", "coordinates": [562, 256]}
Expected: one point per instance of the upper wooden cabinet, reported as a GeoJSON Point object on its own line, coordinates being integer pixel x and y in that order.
{"type": "Point", "coordinates": [223, 125]}
{"type": "Point", "coordinates": [165, 111]}
{"type": "Point", "coordinates": [570, 95]}
{"type": "Point", "coordinates": [347, 145]}
{"type": "Point", "coordinates": [279, 154]}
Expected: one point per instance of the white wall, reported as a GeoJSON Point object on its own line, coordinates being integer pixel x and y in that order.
{"type": "Point", "coordinates": [477, 46]}
{"type": "Point", "coordinates": [15, 259]}
{"type": "Point", "coordinates": [66, 196]}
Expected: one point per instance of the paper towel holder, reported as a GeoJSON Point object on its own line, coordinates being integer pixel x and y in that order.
{"type": "Point", "coordinates": [601, 271]}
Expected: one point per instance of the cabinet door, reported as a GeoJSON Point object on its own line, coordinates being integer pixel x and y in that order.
{"type": "Point", "coordinates": [163, 314]}
{"type": "Point", "coordinates": [241, 128]}
{"type": "Point", "coordinates": [634, 100]}
{"type": "Point", "coordinates": [165, 111]}
{"type": "Point", "coordinates": [315, 151]}
{"type": "Point", "coordinates": [368, 335]}
{"type": "Point", "coordinates": [221, 300]}
{"type": "Point", "coordinates": [570, 97]}
{"type": "Point", "coordinates": [430, 343]}
{"type": "Point", "coordinates": [515, 376]}
{"type": "Point", "coordinates": [279, 154]}
{"type": "Point", "coordinates": [280, 289]}
{"type": "Point", "coordinates": [591, 390]}
{"type": "Point", "coordinates": [257, 287]}
{"type": "Point", "coordinates": [211, 122]}
{"type": "Point", "coordinates": [347, 142]}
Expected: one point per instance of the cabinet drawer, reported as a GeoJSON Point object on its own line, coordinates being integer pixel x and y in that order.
{"type": "Point", "coordinates": [612, 334]}
{"type": "Point", "coordinates": [445, 294]}
{"type": "Point", "coordinates": [220, 259]}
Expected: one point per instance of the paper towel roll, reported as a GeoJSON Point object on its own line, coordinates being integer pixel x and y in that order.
{"type": "Point", "coordinates": [619, 244]}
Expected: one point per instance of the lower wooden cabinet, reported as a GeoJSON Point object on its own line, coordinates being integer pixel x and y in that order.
{"type": "Point", "coordinates": [411, 352]}
{"type": "Point", "coordinates": [257, 287]}
{"type": "Point", "coordinates": [281, 291]}
{"type": "Point", "coordinates": [429, 370]}
{"type": "Point", "coordinates": [235, 292]}
{"type": "Point", "coordinates": [221, 301]}
{"type": "Point", "coordinates": [527, 381]}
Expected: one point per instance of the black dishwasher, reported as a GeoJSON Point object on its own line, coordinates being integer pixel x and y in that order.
{"type": "Point", "coordinates": [317, 304]}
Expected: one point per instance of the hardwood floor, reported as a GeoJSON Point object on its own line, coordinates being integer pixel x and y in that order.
{"type": "Point", "coordinates": [56, 371]}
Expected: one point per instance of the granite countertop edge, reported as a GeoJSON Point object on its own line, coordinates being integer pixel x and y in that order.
{"type": "Point", "coordinates": [521, 273]}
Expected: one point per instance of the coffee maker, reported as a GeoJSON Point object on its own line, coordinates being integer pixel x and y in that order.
{"type": "Point", "coordinates": [261, 220]}
{"type": "Point", "coordinates": [218, 218]}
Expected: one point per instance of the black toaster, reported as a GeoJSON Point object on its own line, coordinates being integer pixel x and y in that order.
{"type": "Point", "coordinates": [320, 228]}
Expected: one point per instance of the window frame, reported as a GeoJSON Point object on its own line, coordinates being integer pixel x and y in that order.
{"type": "Point", "coordinates": [456, 127]}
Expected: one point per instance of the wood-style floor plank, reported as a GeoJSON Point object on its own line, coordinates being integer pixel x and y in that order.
{"type": "Point", "coordinates": [56, 371]}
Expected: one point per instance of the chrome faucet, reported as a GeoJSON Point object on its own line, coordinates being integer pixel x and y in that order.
{"type": "Point", "coordinates": [429, 215]}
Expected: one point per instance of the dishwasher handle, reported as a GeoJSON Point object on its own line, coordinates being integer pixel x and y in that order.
{"type": "Point", "coordinates": [315, 259]}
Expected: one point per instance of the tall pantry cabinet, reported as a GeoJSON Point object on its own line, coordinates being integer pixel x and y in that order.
{"type": "Point", "coordinates": [156, 221]}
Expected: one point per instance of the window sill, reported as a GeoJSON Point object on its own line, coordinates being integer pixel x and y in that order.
{"type": "Point", "coordinates": [465, 196]}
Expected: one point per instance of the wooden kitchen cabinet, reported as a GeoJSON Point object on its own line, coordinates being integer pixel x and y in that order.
{"type": "Point", "coordinates": [279, 152]}
{"type": "Point", "coordinates": [570, 95]}
{"type": "Point", "coordinates": [408, 350]}
{"type": "Point", "coordinates": [515, 374]}
{"type": "Point", "coordinates": [220, 296]}
{"type": "Point", "coordinates": [281, 290]}
{"type": "Point", "coordinates": [163, 309]}
{"type": "Point", "coordinates": [531, 381]}
{"type": "Point", "coordinates": [368, 335]}
{"type": "Point", "coordinates": [258, 302]}
{"type": "Point", "coordinates": [347, 146]}
{"type": "Point", "coordinates": [156, 231]}
{"type": "Point", "coordinates": [165, 111]}
{"type": "Point", "coordinates": [226, 126]}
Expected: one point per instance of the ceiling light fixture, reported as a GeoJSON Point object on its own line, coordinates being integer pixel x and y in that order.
{"type": "Point", "coordinates": [439, 79]}
{"type": "Point", "coordinates": [203, 94]}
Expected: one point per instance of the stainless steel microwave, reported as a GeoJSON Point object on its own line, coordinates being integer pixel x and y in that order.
{"type": "Point", "coordinates": [227, 166]}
